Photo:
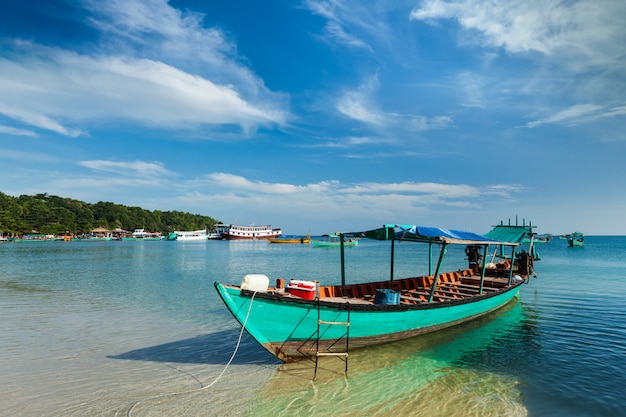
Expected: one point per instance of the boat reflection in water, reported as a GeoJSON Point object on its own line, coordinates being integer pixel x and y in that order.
{"type": "Point", "coordinates": [470, 369]}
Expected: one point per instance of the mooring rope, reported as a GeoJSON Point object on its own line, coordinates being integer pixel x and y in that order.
{"type": "Point", "coordinates": [172, 394]}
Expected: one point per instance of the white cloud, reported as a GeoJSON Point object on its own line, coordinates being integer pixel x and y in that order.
{"type": "Point", "coordinates": [238, 183]}
{"type": "Point", "coordinates": [343, 22]}
{"type": "Point", "coordinates": [360, 105]}
{"type": "Point", "coordinates": [412, 190]}
{"type": "Point", "coordinates": [33, 118]}
{"type": "Point", "coordinates": [169, 71]}
{"type": "Point", "coordinates": [355, 105]}
{"type": "Point", "coordinates": [346, 204]}
{"type": "Point", "coordinates": [154, 30]}
{"type": "Point", "coordinates": [442, 190]}
{"type": "Point", "coordinates": [583, 33]}
{"type": "Point", "coordinates": [17, 132]}
{"type": "Point", "coordinates": [139, 168]}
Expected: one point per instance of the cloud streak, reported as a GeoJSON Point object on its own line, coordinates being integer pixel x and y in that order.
{"type": "Point", "coordinates": [360, 105]}
{"type": "Point", "coordinates": [436, 191]}
{"type": "Point", "coordinates": [580, 114]}
{"type": "Point", "coordinates": [139, 168]}
{"type": "Point", "coordinates": [342, 22]}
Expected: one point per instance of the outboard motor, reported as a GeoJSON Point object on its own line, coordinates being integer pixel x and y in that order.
{"type": "Point", "coordinates": [473, 256]}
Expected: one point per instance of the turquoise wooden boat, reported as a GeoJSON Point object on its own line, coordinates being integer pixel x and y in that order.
{"type": "Point", "coordinates": [576, 239]}
{"type": "Point", "coordinates": [333, 241]}
{"type": "Point", "coordinates": [307, 319]}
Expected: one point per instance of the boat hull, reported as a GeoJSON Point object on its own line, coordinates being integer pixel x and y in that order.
{"type": "Point", "coordinates": [194, 236]}
{"type": "Point", "coordinates": [292, 241]}
{"type": "Point", "coordinates": [287, 327]}
{"type": "Point", "coordinates": [229, 236]}
{"type": "Point", "coordinates": [252, 232]}
{"type": "Point", "coordinates": [323, 244]}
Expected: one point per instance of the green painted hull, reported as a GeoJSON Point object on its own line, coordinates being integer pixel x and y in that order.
{"type": "Point", "coordinates": [576, 240]}
{"type": "Point", "coordinates": [287, 326]}
{"type": "Point", "coordinates": [323, 244]}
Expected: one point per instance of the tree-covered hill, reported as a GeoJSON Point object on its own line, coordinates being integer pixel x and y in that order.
{"type": "Point", "coordinates": [49, 214]}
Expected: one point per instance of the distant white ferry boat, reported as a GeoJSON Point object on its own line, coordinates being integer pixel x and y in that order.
{"type": "Point", "coordinates": [142, 234]}
{"type": "Point", "coordinates": [252, 232]}
{"type": "Point", "coordinates": [185, 236]}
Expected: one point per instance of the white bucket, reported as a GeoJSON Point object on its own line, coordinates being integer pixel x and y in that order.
{"type": "Point", "coordinates": [255, 282]}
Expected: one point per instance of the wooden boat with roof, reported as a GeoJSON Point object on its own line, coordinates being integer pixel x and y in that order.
{"type": "Point", "coordinates": [333, 241]}
{"type": "Point", "coordinates": [576, 240]}
{"type": "Point", "coordinates": [291, 239]}
{"type": "Point", "coordinates": [299, 319]}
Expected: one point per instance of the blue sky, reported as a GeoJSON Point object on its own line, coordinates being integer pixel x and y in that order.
{"type": "Point", "coordinates": [322, 116]}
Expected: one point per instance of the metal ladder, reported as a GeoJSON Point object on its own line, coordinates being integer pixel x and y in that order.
{"type": "Point", "coordinates": [342, 355]}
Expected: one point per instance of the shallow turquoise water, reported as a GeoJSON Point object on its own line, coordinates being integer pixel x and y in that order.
{"type": "Point", "coordinates": [136, 328]}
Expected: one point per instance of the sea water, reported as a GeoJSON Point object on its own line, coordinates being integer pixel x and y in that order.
{"type": "Point", "coordinates": [136, 328]}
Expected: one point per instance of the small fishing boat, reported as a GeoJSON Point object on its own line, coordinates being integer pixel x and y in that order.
{"type": "Point", "coordinates": [546, 238]}
{"type": "Point", "coordinates": [299, 319]}
{"type": "Point", "coordinates": [291, 239]}
{"type": "Point", "coordinates": [576, 239]}
{"type": "Point", "coordinates": [333, 241]}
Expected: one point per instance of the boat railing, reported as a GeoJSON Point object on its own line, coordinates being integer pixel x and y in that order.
{"type": "Point", "coordinates": [450, 285]}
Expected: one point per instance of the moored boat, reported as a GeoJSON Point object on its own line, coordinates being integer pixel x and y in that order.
{"type": "Point", "coordinates": [576, 239]}
{"type": "Point", "coordinates": [291, 239]}
{"type": "Point", "coordinates": [97, 235]}
{"type": "Point", "coordinates": [545, 238]}
{"type": "Point", "coordinates": [35, 237]}
{"type": "Point", "coordinates": [333, 241]}
{"type": "Point", "coordinates": [252, 232]}
{"type": "Point", "coordinates": [184, 236]}
{"type": "Point", "coordinates": [214, 236]}
{"type": "Point", "coordinates": [141, 234]}
{"type": "Point", "coordinates": [310, 319]}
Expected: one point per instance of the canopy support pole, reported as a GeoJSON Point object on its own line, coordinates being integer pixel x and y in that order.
{"type": "Point", "coordinates": [343, 261]}
{"type": "Point", "coordinates": [430, 258]}
{"type": "Point", "coordinates": [484, 269]}
{"type": "Point", "coordinates": [436, 277]}
{"type": "Point", "coordinates": [393, 246]}
{"type": "Point", "coordinates": [512, 263]}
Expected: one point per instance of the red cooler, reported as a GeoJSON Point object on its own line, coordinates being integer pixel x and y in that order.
{"type": "Point", "coordinates": [302, 289]}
